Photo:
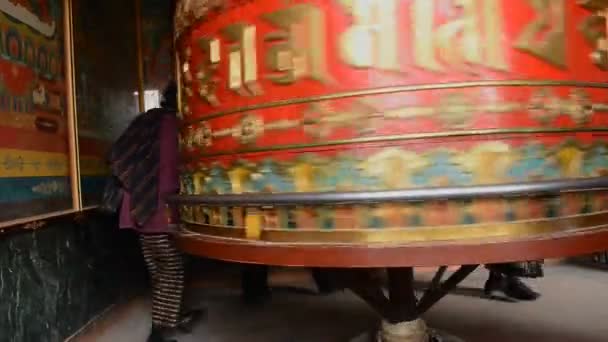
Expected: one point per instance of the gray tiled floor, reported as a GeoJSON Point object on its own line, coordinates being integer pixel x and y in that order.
{"type": "Point", "coordinates": [574, 307]}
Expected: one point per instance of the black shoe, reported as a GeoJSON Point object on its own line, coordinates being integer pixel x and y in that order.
{"type": "Point", "coordinates": [511, 287]}
{"type": "Point", "coordinates": [528, 269]}
{"type": "Point", "coordinates": [190, 319]}
{"type": "Point", "coordinates": [494, 284]}
{"type": "Point", "coordinates": [158, 335]}
{"type": "Point", "coordinates": [519, 290]}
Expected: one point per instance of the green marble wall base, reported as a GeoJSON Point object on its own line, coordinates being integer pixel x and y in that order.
{"type": "Point", "coordinates": [54, 280]}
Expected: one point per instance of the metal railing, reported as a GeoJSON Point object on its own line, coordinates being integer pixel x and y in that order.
{"type": "Point", "coordinates": [541, 188]}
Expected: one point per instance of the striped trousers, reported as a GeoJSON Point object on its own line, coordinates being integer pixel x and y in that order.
{"type": "Point", "coordinates": [166, 267]}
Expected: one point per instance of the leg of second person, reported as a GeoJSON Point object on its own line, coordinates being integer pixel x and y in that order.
{"type": "Point", "coordinates": [165, 265]}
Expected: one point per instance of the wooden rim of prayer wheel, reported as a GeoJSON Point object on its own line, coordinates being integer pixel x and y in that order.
{"type": "Point", "coordinates": [515, 241]}
{"type": "Point", "coordinates": [406, 255]}
{"type": "Point", "coordinates": [334, 134]}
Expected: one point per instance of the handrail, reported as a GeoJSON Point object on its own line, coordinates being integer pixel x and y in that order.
{"type": "Point", "coordinates": [539, 188]}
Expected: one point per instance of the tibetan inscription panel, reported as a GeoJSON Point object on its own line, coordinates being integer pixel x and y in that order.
{"type": "Point", "coordinates": [396, 93]}
{"type": "Point", "coordinates": [259, 52]}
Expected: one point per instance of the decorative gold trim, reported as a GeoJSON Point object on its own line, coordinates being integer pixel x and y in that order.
{"type": "Point", "coordinates": [16, 224]}
{"type": "Point", "coordinates": [412, 136]}
{"type": "Point", "coordinates": [140, 57]}
{"type": "Point", "coordinates": [34, 225]}
{"type": "Point", "coordinates": [403, 88]}
{"type": "Point", "coordinates": [514, 230]}
{"type": "Point", "coordinates": [71, 115]}
{"type": "Point", "coordinates": [34, 221]}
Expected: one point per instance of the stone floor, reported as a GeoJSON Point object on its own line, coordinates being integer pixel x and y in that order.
{"type": "Point", "coordinates": [574, 307]}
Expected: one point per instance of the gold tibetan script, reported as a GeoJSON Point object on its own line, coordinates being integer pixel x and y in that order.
{"type": "Point", "coordinates": [594, 28]}
{"type": "Point", "coordinates": [372, 39]}
{"type": "Point", "coordinates": [459, 42]}
{"type": "Point", "coordinates": [469, 36]}
{"type": "Point", "coordinates": [550, 23]}
{"type": "Point", "coordinates": [242, 59]}
{"type": "Point", "coordinates": [208, 69]}
{"type": "Point", "coordinates": [298, 49]}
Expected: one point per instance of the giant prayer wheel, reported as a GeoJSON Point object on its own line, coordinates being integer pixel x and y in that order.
{"type": "Point", "coordinates": [393, 133]}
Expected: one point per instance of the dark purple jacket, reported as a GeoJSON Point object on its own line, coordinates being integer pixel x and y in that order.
{"type": "Point", "coordinates": [168, 183]}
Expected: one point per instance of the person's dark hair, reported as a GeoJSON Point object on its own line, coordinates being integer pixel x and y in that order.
{"type": "Point", "coordinates": [169, 100]}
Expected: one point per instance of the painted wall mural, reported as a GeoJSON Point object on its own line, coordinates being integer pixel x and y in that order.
{"type": "Point", "coordinates": [35, 167]}
{"type": "Point", "coordinates": [34, 162]}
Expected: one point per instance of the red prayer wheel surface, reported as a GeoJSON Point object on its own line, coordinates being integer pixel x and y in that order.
{"type": "Point", "coordinates": [470, 110]}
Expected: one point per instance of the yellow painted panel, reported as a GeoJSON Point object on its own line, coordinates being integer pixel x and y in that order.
{"type": "Point", "coordinates": [21, 163]}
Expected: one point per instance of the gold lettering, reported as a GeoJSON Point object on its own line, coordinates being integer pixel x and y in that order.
{"type": "Point", "coordinates": [550, 17]}
{"type": "Point", "coordinates": [495, 56]}
{"type": "Point", "coordinates": [235, 78]}
{"type": "Point", "coordinates": [186, 77]}
{"type": "Point", "coordinates": [298, 50]}
{"type": "Point", "coordinates": [459, 42]}
{"type": "Point", "coordinates": [208, 69]}
{"type": "Point", "coordinates": [594, 28]}
{"type": "Point", "coordinates": [372, 39]}
{"type": "Point", "coordinates": [467, 25]}
{"type": "Point", "coordinates": [423, 12]}
{"type": "Point", "coordinates": [242, 59]}
{"type": "Point", "coordinates": [214, 51]}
